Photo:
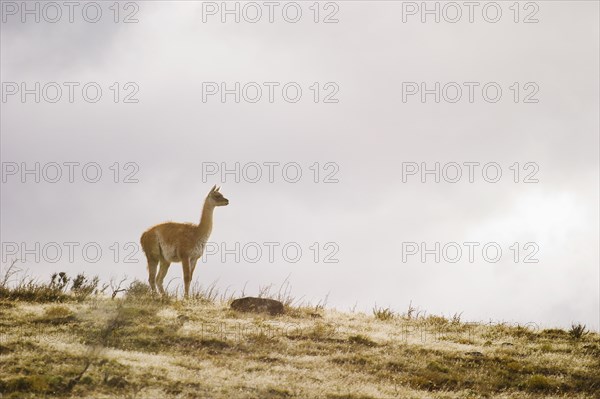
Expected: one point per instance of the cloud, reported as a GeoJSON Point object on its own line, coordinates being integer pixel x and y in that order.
{"type": "Point", "coordinates": [369, 135]}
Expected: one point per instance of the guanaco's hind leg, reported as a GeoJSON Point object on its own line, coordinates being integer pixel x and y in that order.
{"type": "Point", "coordinates": [152, 266]}
{"type": "Point", "coordinates": [164, 268]}
{"type": "Point", "coordinates": [151, 248]}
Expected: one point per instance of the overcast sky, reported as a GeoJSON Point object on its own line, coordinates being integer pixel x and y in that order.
{"type": "Point", "coordinates": [367, 127]}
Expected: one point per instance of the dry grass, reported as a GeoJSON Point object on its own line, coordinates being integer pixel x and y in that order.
{"type": "Point", "coordinates": [142, 346]}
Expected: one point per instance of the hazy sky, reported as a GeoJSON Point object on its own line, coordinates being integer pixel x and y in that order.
{"type": "Point", "coordinates": [368, 130]}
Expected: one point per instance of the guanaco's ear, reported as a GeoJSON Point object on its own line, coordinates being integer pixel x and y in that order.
{"type": "Point", "coordinates": [218, 188]}
{"type": "Point", "coordinates": [214, 188]}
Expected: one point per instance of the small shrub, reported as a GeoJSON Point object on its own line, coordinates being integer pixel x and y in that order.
{"type": "Point", "coordinates": [82, 287]}
{"type": "Point", "coordinates": [577, 331]}
{"type": "Point", "coordinates": [456, 318]}
{"type": "Point", "coordinates": [59, 281]}
{"type": "Point", "coordinates": [413, 313]}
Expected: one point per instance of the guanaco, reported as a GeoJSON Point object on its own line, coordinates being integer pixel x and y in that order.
{"type": "Point", "coordinates": [179, 242]}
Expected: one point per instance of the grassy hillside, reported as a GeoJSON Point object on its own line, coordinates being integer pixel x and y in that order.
{"type": "Point", "coordinates": [60, 341]}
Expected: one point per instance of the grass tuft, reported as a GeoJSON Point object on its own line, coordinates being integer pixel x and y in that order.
{"type": "Point", "coordinates": [383, 314]}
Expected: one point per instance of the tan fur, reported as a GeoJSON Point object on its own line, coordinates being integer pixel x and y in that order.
{"type": "Point", "coordinates": [179, 242]}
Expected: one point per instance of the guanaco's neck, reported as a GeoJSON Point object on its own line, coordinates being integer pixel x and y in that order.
{"type": "Point", "coordinates": [206, 221]}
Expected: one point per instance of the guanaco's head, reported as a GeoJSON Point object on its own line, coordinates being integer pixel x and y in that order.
{"type": "Point", "coordinates": [216, 198]}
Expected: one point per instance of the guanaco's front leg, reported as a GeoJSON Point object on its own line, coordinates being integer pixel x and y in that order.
{"type": "Point", "coordinates": [187, 275]}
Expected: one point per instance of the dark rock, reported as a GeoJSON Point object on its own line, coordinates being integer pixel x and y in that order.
{"type": "Point", "coordinates": [258, 305]}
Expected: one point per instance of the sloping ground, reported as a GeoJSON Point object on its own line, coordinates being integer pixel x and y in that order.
{"type": "Point", "coordinates": [148, 348]}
